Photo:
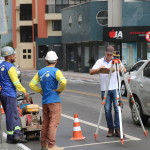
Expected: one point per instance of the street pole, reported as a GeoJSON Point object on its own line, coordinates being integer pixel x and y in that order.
{"type": "Point", "coordinates": [3, 30]}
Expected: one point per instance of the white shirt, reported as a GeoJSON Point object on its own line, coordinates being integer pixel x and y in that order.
{"type": "Point", "coordinates": [104, 77]}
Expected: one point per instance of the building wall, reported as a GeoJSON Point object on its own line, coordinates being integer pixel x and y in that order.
{"type": "Point", "coordinates": [88, 29]}
{"type": "Point", "coordinates": [25, 51]}
{"type": "Point", "coordinates": [136, 13]}
{"type": "Point", "coordinates": [5, 38]}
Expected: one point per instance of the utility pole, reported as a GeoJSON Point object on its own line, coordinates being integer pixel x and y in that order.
{"type": "Point", "coordinates": [3, 30]}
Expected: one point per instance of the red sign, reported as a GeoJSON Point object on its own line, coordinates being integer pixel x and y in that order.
{"type": "Point", "coordinates": [112, 34]}
{"type": "Point", "coordinates": [147, 36]}
{"type": "Point", "coordinates": [115, 34]}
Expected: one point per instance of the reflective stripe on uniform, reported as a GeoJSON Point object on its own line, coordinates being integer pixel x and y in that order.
{"type": "Point", "coordinates": [33, 81]}
{"type": "Point", "coordinates": [17, 128]}
{"type": "Point", "coordinates": [15, 83]}
{"type": "Point", "coordinates": [10, 132]}
{"type": "Point", "coordinates": [62, 79]}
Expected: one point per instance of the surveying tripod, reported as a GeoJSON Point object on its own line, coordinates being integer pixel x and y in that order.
{"type": "Point", "coordinates": [116, 67]}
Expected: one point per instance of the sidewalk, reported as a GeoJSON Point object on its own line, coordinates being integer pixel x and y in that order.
{"type": "Point", "coordinates": [85, 77]}
{"type": "Point", "coordinates": [6, 146]}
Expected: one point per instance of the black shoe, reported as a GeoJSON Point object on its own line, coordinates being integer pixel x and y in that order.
{"type": "Point", "coordinates": [110, 133]}
{"type": "Point", "coordinates": [20, 140]}
{"type": "Point", "coordinates": [10, 141]}
{"type": "Point", "coordinates": [117, 133]}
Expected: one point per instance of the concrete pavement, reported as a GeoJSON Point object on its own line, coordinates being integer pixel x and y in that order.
{"type": "Point", "coordinates": [71, 76]}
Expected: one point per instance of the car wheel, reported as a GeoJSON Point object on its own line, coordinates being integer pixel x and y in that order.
{"type": "Point", "coordinates": [135, 116]}
{"type": "Point", "coordinates": [123, 89]}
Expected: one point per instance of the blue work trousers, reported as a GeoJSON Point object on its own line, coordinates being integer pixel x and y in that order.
{"type": "Point", "coordinates": [111, 99]}
{"type": "Point", "coordinates": [13, 123]}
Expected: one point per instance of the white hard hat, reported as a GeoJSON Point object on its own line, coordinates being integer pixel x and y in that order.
{"type": "Point", "coordinates": [51, 56]}
{"type": "Point", "coordinates": [7, 51]}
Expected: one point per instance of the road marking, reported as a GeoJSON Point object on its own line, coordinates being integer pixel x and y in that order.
{"type": "Point", "coordinates": [85, 93]}
{"type": "Point", "coordinates": [90, 94]}
{"type": "Point", "coordinates": [18, 144]}
{"type": "Point", "coordinates": [101, 127]}
{"type": "Point", "coordinates": [109, 142]}
{"type": "Point", "coordinates": [131, 138]}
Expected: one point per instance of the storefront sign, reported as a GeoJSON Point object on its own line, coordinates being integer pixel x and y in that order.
{"type": "Point", "coordinates": [147, 36]}
{"type": "Point", "coordinates": [115, 34]}
{"type": "Point", "coordinates": [126, 34]}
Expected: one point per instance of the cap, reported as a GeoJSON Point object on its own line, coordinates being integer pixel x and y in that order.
{"type": "Point", "coordinates": [110, 49]}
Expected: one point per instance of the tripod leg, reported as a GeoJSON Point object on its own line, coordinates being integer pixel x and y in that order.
{"type": "Point", "coordinates": [119, 104]}
{"type": "Point", "coordinates": [133, 101]}
{"type": "Point", "coordinates": [99, 121]}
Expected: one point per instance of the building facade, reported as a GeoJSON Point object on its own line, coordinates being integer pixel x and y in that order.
{"type": "Point", "coordinates": [132, 38]}
{"type": "Point", "coordinates": [7, 38]}
{"type": "Point", "coordinates": [84, 36]}
{"type": "Point", "coordinates": [75, 30]}
{"type": "Point", "coordinates": [37, 29]}
{"type": "Point", "coordinates": [82, 27]}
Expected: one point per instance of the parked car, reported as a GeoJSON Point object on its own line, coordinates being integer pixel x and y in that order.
{"type": "Point", "coordinates": [140, 87]}
{"type": "Point", "coordinates": [16, 66]}
{"type": "Point", "coordinates": [130, 73]}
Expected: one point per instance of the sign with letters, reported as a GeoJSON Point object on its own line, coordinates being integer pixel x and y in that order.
{"type": "Point", "coordinates": [126, 34]}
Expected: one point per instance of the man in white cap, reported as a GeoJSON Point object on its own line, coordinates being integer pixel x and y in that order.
{"type": "Point", "coordinates": [106, 62]}
{"type": "Point", "coordinates": [49, 78]}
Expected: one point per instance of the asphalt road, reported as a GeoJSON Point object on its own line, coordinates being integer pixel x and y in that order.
{"type": "Point", "coordinates": [84, 99]}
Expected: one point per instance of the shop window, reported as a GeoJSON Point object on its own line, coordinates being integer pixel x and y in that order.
{"type": "Point", "coordinates": [29, 50]}
{"type": "Point", "coordinates": [25, 12]}
{"type": "Point", "coordinates": [24, 50]}
{"type": "Point", "coordinates": [80, 20]}
{"type": "Point", "coordinates": [26, 53]}
{"type": "Point", "coordinates": [25, 33]}
{"type": "Point", "coordinates": [43, 49]}
{"type": "Point", "coordinates": [6, 2]}
{"type": "Point", "coordinates": [70, 22]}
{"type": "Point", "coordinates": [29, 56]}
{"type": "Point", "coordinates": [24, 56]}
{"type": "Point", "coordinates": [56, 25]}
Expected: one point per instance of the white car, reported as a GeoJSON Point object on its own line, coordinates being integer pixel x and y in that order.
{"type": "Point", "coordinates": [140, 88]}
{"type": "Point", "coordinates": [130, 73]}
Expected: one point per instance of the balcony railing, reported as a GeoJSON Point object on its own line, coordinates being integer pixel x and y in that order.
{"type": "Point", "coordinates": [56, 8]}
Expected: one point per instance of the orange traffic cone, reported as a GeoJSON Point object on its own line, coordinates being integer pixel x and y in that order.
{"type": "Point", "coordinates": [1, 109]}
{"type": "Point", "coordinates": [77, 133]}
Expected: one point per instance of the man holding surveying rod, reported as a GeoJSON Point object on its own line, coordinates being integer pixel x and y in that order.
{"type": "Point", "coordinates": [105, 64]}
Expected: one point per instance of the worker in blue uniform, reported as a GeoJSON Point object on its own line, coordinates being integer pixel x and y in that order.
{"type": "Point", "coordinates": [52, 84]}
{"type": "Point", "coordinates": [9, 82]}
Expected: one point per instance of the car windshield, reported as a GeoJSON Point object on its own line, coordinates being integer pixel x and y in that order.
{"type": "Point", "coordinates": [137, 66]}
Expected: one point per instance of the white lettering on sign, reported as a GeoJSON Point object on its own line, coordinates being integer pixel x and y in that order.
{"type": "Point", "coordinates": [116, 34]}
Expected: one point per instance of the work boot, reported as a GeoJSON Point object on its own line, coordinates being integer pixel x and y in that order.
{"type": "Point", "coordinates": [44, 148]}
{"type": "Point", "coordinates": [117, 133]}
{"type": "Point", "coordinates": [19, 139]}
{"type": "Point", "coordinates": [10, 141]}
{"type": "Point", "coordinates": [56, 148]}
{"type": "Point", "coordinates": [110, 133]}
